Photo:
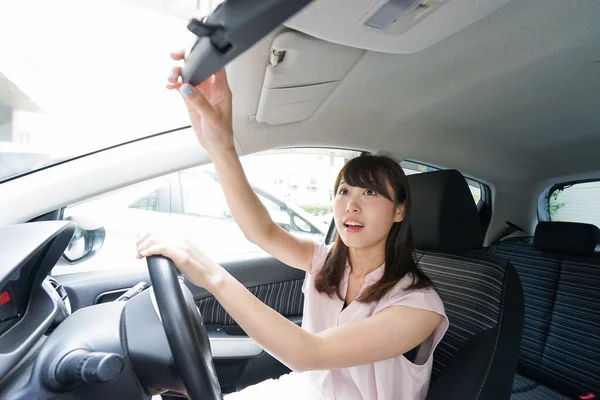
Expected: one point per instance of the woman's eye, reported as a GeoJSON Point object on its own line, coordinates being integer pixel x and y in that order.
{"type": "Point", "coordinates": [370, 192]}
{"type": "Point", "coordinates": [343, 191]}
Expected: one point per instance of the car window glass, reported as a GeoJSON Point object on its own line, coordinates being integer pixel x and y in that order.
{"type": "Point", "coordinates": [202, 195]}
{"type": "Point", "coordinates": [579, 202]}
{"type": "Point", "coordinates": [148, 202]}
{"type": "Point", "coordinates": [294, 185]}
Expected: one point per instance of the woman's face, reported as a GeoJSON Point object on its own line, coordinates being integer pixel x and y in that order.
{"type": "Point", "coordinates": [363, 217]}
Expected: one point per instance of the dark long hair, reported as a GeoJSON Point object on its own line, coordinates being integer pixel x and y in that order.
{"type": "Point", "coordinates": [375, 172]}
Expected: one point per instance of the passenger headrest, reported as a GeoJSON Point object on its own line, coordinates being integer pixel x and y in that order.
{"type": "Point", "coordinates": [444, 215]}
{"type": "Point", "coordinates": [566, 237]}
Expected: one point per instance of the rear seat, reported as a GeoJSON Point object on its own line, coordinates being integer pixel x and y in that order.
{"type": "Point", "coordinates": [560, 274]}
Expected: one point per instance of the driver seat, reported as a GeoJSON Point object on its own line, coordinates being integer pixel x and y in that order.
{"type": "Point", "coordinates": [482, 293]}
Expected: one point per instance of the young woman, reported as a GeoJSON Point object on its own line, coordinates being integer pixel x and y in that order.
{"type": "Point", "coordinates": [366, 301]}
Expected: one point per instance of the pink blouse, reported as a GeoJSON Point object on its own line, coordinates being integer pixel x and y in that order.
{"type": "Point", "coordinates": [394, 378]}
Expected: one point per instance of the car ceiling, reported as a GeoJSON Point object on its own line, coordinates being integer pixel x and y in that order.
{"type": "Point", "coordinates": [508, 99]}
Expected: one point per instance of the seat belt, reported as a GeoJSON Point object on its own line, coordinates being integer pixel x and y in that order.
{"type": "Point", "coordinates": [510, 229]}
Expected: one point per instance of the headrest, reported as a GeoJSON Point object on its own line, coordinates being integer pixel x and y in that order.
{"type": "Point", "coordinates": [566, 237]}
{"type": "Point", "coordinates": [444, 216]}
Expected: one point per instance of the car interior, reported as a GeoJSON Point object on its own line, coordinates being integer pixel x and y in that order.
{"type": "Point", "coordinates": [497, 95]}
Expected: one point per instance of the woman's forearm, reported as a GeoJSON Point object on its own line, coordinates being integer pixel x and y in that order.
{"type": "Point", "coordinates": [280, 337]}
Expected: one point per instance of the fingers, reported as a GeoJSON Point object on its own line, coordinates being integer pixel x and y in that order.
{"type": "Point", "coordinates": [145, 241]}
{"type": "Point", "coordinates": [220, 75]}
{"type": "Point", "coordinates": [173, 86]}
{"type": "Point", "coordinates": [153, 244]}
{"type": "Point", "coordinates": [174, 75]}
{"type": "Point", "coordinates": [173, 79]}
{"type": "Point", "coordinates": [194, 98]}
{"type": "Point", "coordinates": [149, 242]}
{"type": "Point", "coordinates": [179, 257]}
{"type": "Point", "coordinates": [156, 249]}
{"type": "Point", "coordinates": [178, 55]}
{"type": "Point", "coordinates": [148, 238]}
{"type": "Point", "coordinates": [215, 88]}
{"type": "Point", "coordinates": [220, 83]}
{"type": "Point", "coordinates": [177, 249]}
{"type": "Point", "coordinates": [162, 249]}
{"type": "Point", "coordinates": [142, 238]}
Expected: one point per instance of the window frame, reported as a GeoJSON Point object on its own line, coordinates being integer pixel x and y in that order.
{"type": "Point", "coordinates": [543, 208]}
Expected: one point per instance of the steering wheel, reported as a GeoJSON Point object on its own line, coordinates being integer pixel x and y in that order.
{"type": "Point", "coordinates": [185, 332]}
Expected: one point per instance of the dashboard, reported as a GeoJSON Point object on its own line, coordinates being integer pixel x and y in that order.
{"type": "Point", "coordinates": [30, 304]}
{"type": "Point", "coordinates": [9, 308]}
{"type": "Point", "coordinates": [48, 353]}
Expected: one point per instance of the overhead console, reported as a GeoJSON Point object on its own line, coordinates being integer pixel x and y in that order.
{"type": "Point", "coordinates": [390, 26]}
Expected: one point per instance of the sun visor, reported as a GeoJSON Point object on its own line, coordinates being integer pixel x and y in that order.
{"type": "Point", "coordinates": [302, 72]}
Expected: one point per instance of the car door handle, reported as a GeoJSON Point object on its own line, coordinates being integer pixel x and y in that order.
{"type": "Point", "coordinates": [225, 345]}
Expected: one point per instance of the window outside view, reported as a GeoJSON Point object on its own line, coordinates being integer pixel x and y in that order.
{"type": "Point", "coordinates": [81, 87]}
{"type": "Point", "coordinates": [577, 203]}
{"type": "Point", "coordinates": [295, 185]}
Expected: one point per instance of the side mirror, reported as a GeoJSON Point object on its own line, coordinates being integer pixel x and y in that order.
{"type": "Point", "coordinates": [86, 241]}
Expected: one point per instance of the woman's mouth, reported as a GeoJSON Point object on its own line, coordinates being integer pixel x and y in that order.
{"type": "Point", "coordinates": [353, 225]}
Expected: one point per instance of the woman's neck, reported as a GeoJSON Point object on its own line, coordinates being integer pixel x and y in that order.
{"type": "Point", "coordinates": [363, 261]}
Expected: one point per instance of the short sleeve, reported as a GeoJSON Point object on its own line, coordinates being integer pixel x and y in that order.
{"type": "Point", "coordinates": [424, 299]}
{"type": "Point", "coordinates": [319, 255]}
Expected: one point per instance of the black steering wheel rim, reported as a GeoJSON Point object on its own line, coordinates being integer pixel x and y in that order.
{"type": "Point", "coordinates": [190, 348]}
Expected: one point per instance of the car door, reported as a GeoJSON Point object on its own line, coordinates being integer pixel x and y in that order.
{"type": "Point", "coordinates": [192, 201]}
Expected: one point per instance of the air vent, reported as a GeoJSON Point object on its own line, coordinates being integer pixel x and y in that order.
{"type": "Point", "coordinates": [61, 292]}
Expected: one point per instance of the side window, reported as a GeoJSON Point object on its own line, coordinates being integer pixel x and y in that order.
{"type": "Point", "coordinates": [152, 195]}
{"type": "Point", "coordinates": [299, 184]}
{"type": "Point", "coordinates": [108, 225]}
{"type": "Point", "coordinates": [579, 202]}
{"type": "Point", "coordinates": [201, 195]}
{"type": "Point", "coordinates": [411, 168]}
{"type": "Point", "coordinates": [149, 202]}
{"type": "Point", "coordinates": [295, 185]}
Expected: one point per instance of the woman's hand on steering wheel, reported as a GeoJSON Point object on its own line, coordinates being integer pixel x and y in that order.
{"type": "Point", "coordinates": [195, 264]}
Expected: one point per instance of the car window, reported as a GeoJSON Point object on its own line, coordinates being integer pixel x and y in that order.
{"type": "Point", "coordinates": [579, 202]}
{"type": "Point", "coordinates": [411, 167]}
{"type": "Point", "coordinates": [149, 202]}
{"type": "Point", "coordinates": [295, 186]}
{"type": "Point", "coordinates": [198, 183]}
{"type": "Point", "coordinates": [202, 195]}
{"type": "Point", "coordinates": [41, 117]}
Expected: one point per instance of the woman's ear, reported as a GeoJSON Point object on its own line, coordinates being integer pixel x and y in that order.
{"type": "Point", "coordinates": [399, 217]}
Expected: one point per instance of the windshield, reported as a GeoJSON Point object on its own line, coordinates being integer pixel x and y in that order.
{"type": "Point", "coordinates": [78, 76]}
